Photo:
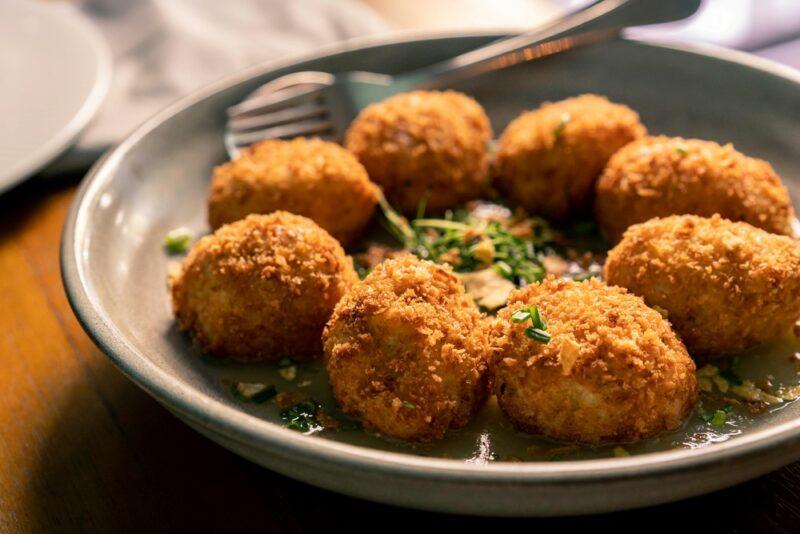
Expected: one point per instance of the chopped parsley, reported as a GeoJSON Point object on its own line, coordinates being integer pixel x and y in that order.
{"type": "Point", "coordinates": [718, 417]}
{"type": "Point", "coordinates": [302, 417]}
{"type": "Point", "coordinates": [538, 329]}
{"type": "Point", "coordinates": [471, 244]}
{"type": "Point", "coordinates": [408, 405]}
{"type": "Point", "coordinates": [681, 150]}
{"type": "Point", "coordinates": [178, 240]}
{"type": "Point", "coordinates": [562, 123]}
{"type": "Point", "coordinates": [253, 392]}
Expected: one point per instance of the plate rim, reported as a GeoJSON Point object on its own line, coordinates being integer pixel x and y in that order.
{"type": "Point", "coordinates": [47, 152]}
{"type": "Point", "coordinates": [269, 437]}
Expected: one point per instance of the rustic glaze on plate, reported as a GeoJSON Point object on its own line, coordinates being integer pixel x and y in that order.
{"type": "Point", "coordinates": [113, 267]}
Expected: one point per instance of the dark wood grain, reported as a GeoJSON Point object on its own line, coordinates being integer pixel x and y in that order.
{"type": "Point", "coordinates": [82, 449]}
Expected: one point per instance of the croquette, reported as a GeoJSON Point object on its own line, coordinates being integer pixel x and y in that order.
{"type": "Point", "coordinates": [725, 286]}
{"type": "Point", "coordinates": [309, 177]}
{"type": "Point", "coordinates": [424, 147]}
{"type": "Point", "coordinates": [613, 370]}
{"type": "Point", "coordinates": [261, 288]}
{"type": "Point", "coordinates": [661, 176]}
{"type": "Point", "coordinates": [549, 159]}
{"type": "Point", "coordinates": [407, 351]}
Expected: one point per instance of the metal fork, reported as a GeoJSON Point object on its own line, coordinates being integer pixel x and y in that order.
{"type": "Point", "coordinates": [323, 104]}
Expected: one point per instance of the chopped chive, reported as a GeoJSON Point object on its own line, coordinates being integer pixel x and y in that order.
{"type": "Point", "coordinates": [562, 123]}
{"type": "Point", "coordinates": [503, 268]}
{"type": "Point", "coordinates": [537, 319]}
{"type": "Point", "coordinates": [520, 316]}
{"type": "Point", "coordinates": [178, 240]}
{"type": "Point", "coordinates": [423, 202]}
{"type": "Point", "coordinates": [408, 405]}
{"type": "Point", "coordinates": [469, 244]}
{"type": "Point", "coordinates": [537, 334]}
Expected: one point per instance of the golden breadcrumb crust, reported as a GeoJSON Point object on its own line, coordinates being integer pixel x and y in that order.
{"type": "Point", "coordinates": [549, 159]}
{"type": "Point", "coordinates": [309, 177]}
{"type": "Point", "coordinates": [614, 371]}
{"type": "Point", "coordinates": [424, 145]}
{"type": "Point", "coordinates": [261, 288]}
{"type": "Point", "coordinates": [660, 176]}
{"type": "Point", "coordinates": [407, 351]}
{"type": "Point", "coordinates": [725, 286]}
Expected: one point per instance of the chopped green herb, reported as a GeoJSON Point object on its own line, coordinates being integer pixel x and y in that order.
{"type": "Point", "coordinates": [470, 244]}
{"type": "Point", "coordinates": [537, 319]}
{"type": "Point", "coordinates": [302, 417]}
{"type": "Point", "coordinates": [422, 205]}
{"type": "Point", "coordinates": [582, 277]}
{"type": "Point", "coordinates": [408, 405]}
{"type": "Point", "coordinates": [178, 240]}
{"type": "Point", "coordinates": [253, 392]}
{"type": "Point", "coordinates": [361, 269]}
{"type": "Point", "coordinates": [562, 123]}
{"type": "Point", "coordinates": [520, 316]}
{"type": "Point", "coordinates": [681, 150]}
{"type": "Point", "coordinates": [537, 332]}
{"type": "Point", "coordinates": [718, 417]}
{"type": "Point", "coordinates": [504, 269]}
{"type": "Point", "coordinates": [284, 362]}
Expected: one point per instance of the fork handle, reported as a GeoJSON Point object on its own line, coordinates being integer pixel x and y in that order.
{"type": "Point", "coordinates": [600, 18]}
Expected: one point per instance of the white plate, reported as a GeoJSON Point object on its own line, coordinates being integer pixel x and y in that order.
{"type": "Point", "coordinates": [55, 71]}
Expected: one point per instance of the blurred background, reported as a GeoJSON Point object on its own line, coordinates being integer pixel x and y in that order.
{"type": "Point", "coordinates": [76, 76]}
{"type": "Point", "coordinates": [163, 49]}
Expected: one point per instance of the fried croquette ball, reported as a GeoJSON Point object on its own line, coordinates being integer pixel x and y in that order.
{"type": "Point", "coordinates": [725, 286]}
{"type": "Point", "coordinates": [309, 177]}
{"type": "Point", "coordinates": [613, 371]}
{"type": "Point", "coordinates": [407, 351]}
{"type": "Point", "coordinates": [261, 288]}
{"type": "Point", "coordinates": [424, 146]}
{"type": "Point", "coordinates": [660, 176]}
{"type": "Point", "coordinates": [549, 159]}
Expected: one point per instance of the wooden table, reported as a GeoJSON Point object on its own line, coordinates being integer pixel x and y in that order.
{"type": "Point", "coordinates": [83, 449]}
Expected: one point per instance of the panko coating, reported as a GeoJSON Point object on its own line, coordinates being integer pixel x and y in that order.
{"type": "Point", "coordinates": [549, 159]}
{"type": "Point", "coordinates": [261, 288]}
{"type": "Point", "coordinates": [660, 176]}
{"type": "Point", "coordinates": [725, 286]}
{"type": "Point", "coordinates": [613, 371]}
{"type": "Point", "coordinates": [424, 146]}
{"type": "Point", "coordinates": [309, 177]}
{"type": "Point", "coordinates": [408, 352]}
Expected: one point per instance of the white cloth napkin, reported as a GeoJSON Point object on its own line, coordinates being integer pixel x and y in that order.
{"type": "Point", "coordinates": [165, 49]}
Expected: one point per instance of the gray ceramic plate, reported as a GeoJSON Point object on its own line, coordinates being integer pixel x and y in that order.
{"type": "Point", "coordinates": [114, 271]}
